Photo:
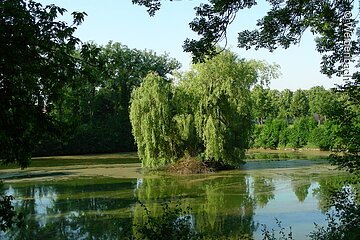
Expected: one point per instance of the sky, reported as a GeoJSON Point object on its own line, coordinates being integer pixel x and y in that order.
{"type": "Point", "coordinates": [121, 21]}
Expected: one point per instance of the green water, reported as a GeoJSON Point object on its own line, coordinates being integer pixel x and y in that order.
{"type": "Point", "coordinates": [230, 203]}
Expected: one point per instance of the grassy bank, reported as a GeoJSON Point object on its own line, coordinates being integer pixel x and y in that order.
{"type": "Point", "coordinates": [285, 154]}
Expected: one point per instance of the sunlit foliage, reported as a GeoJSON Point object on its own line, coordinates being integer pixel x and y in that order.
{"type": "Point", "coordinates": [208, 114]}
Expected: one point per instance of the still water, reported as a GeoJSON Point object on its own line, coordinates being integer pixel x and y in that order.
{"type": "Point", "coordinates": [229, 204]}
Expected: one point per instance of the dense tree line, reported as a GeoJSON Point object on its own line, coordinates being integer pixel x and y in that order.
{"type": "Point", "coordinates": [302, 118]}
{"type": "Point", "coordinates": [93, 111]}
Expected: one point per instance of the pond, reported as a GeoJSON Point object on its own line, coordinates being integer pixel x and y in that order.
{"type": "Point", "coordinates": [71, 203]}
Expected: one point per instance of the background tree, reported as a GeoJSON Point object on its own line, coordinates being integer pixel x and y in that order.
{"type": "Point", "coordinates": [332, 109]}
{"type": "Point", "coordinates": [274, 103]}
{"type": "Point", "coordinates": [97, 102]}
{"type": "Point", "coordinates": [299, 104]}
{"type": "Point", "coordinates": [322, 102]}
{"type": "Point", "coordinates": [324, 136]}
{"type": "Point", "coordinates": [285, 104]}
{"type": "Point", "coordinates": [260, 103]}
{"type": "Point", "coordinates": [271, 135]}
{"type": "Point", "coordinates": [299, 133]}
{"type": "Point", "coordinates": [36, 64]}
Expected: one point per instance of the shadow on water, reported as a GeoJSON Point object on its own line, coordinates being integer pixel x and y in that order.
{"type": "Point", "coordinates": [74, 161]}
{"type": "Point", "coordinates": [16, 175]}
{"type": "Point", "coordinates": [222, 205]}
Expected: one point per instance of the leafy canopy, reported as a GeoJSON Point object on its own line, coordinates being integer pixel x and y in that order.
{"type": "Point", "coordinates": [208, 113]}
{"type": "Point", "coordinates": [151, 116]}
{"type": "Point", "coordinates": [36, 63]}
{"type": "Point", "coordinates": [282, 26]}
{"type": "Point", "coordinates": [96, 103]}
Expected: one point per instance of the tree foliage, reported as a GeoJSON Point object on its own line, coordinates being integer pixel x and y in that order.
{"type": "Point", "coordinates": [222, 114]}
{"type": "Point", "coordinates": [36, 63]}
{"type": "Point", "coordinates": [299, 106]}
{"type": "Point", "coordinates": [314, 118]}
{"type": "Point", "coordinates": [96, 104]}
{"type": "Point", "coordinates": [282, 26]}
{"type": "Point", "coordinates": [151, 117]}
{"type": "Point", "coordinates": [271, 134]}
{"type": "Point", "coordinates": [266, 103]}
{"type": "Point", "coordinates": [285, 103]}
{"type": "Point", "coordinates": [208, 113]}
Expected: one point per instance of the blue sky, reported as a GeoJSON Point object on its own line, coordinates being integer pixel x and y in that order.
{"type": "Point", "coordinates": [121, 21]}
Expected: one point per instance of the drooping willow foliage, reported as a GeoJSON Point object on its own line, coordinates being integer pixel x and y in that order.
{"type": "Point", "coordinates": [151, 118]}
{"type": "Point", "coordinates": [207, 114]}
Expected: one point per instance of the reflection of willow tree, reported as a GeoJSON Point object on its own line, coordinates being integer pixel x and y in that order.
{"type": "Point", "coordinates": [78, 210]}
{"type": "Point", "coordinates": [263, 190]}
{"type": "Point", "coordinates": [228, 209]}
{"type": "Point", "coordinates": [301, 188]}
{"type": "Point", "coordinates": [155, 190]}
{"type": "Point", "coordinates": [214, 199]}
{"type": "Point", "coordinates": [220, 207]}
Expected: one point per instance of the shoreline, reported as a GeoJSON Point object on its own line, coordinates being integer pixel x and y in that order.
{"type": "Point", "coordinates": [310, 151]}
{"type": "Point", "coordinates": [117, 165]}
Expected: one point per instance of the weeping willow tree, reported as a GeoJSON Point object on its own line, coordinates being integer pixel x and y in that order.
{"type": "Point", "coordinates": [151, 114]}
{"type": "Point", "coordinates": [208, 113]}
{"type": "Point", "coordinates": [221, 104]}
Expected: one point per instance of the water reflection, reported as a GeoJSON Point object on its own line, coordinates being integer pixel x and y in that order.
{"type": "Point", "coordinates": [231, 204]}
{"type": "Point", "coordinates": [222, 206]}
{"type": "Point", "coordinates": [301, 187]}
{"type": "Point", "coordinates": [263, 190]}
{"type": "Point", "coordinates": [79, 209]}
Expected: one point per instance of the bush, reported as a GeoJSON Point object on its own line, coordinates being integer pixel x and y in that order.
{"type": "Point", "coordinates": [344, 223]}
{"type": "Point", "coordinates": [270, 234]}
{"type": "Point", "coordinates": [171, 224]}
{"type": "Point", "coordinates": [8, 216]}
